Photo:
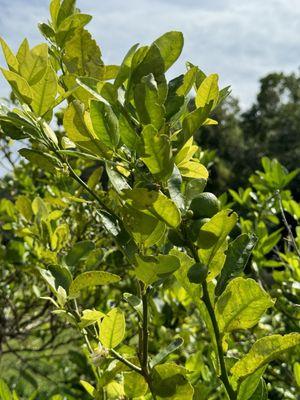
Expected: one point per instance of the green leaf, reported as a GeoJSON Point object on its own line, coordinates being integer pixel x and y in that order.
{"type": "Point", "coordinates": [82, 55]}
{"type": "Point", "coordinates": [208, 91]}
{"type": "Point", "coordinates": [237, 257]}
{"type": "Point", "coordinates": [46, 31]}
{"type": "Point", "coordinates": [90, 279]}
{"type": "Point", "coordinates": [145, 229]}
{"type": "Point", "coordinates": [57, 275]}
{"type": "Point", "coordinates": [90, 317]}
{"type": "Point", "coordinates": [249, 385]}
{"type": "Point", "coordinates": [33, 63]}
{"type": "Point", "coordinates": [170, 46]}
{"type": "Point", "coordinates": [44, 93]}
{"type": "Point", "coordinates": [54, 9]}
{"type": "Point", "coordinates": [66, 9]}
{"type": "Point", "coordinates": [174, 187]}
{"type": "Point", "coordinates": [23, 205]}
{"type": "Point", "coordinates": [150, 269]}
{"type": "Point", "coordinates": [112, 329]}
{"type": "Point", "coordinates": [5, 393]}
{"type": "Point", "coordinates": [134, 385]}
{"type": "Point", "coordinates": [135, 302]}
{"type": "Point", "coordinates": [88, 388]}
{"type": "Point", "coordinates": [125, 70]}
{"type": "Point", "coordinates": [170, 383]}
{"type": "Point", "coordinates": [11, 60]}
{"type": "Point", "coordinates": [192, 190]}
{"type": "Point", "coordinates": [263, 351]}
{"type": "Point", "coordinates": [146, 98]}
{"type": "Point", "coordinates": [45, 161]}
{"type": "Point", "coordinates": [194, 120]}
{"type": "Point", "coordinates": [19, 85]}
{"type": "Point", "coordinates": [105, 123]}
{"type": "Point", "coordinates": [128, 134]}
{"type": "Point", "coordinates": [212, 240]}
{"type": "Point", "coordinates": [241, 305]}
{"type": "Point", "coordinates": [151, 63]}
{"type": "Point", "coordinates": [157, 153]}
{"type": "Point", "coordinates": [261, 392]}
{"type": "Point", "coordinates": [173, 346]}
{"type": "Point", "coordinates": [75, 118]}
{"type": "Point", "coordinates": [79, 252]}
{"type": "Point", "coordinates": [156, 203]}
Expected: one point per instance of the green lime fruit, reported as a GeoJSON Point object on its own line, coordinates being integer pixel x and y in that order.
{"type": "Point", "coordinates": [194, 228]}
{"type": "Point", "coordinates": [197, 273]}
{"type": "Point", "coordinates": [205, 205]}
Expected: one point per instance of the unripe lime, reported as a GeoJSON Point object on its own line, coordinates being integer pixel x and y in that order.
{"type": "Point", "coordinates": [194, 228]}
{"type": "Point", "coordinates": [197, 273]}
{"type": "Point", "coordinates": [205, 205]}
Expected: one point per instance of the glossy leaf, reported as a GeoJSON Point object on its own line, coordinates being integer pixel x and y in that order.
{"type": "Point", "coordinates": [173, 346]}
{"type": "Point", "coordinates": [237, 256]}
{"type": "Point", "coordinates": [212, 240]}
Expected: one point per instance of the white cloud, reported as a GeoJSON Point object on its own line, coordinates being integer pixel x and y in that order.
{"type": "Point", "coordinates": [241, 40]}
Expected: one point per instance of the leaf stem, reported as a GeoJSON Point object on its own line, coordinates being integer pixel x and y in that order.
{"type": "Point", "coordinates": [218, 338]}
{"type": "Point", "coordinates": [287, 224]}
{"type": "Point", "coordinates": [126, 362]}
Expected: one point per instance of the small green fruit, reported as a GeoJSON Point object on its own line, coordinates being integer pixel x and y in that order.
{"type": "Point", "coordinates": [194, 228]}
{"type": "Point", "coordinates": [205, 205]}
{"type": "Point", "coordinates": [197, 273]}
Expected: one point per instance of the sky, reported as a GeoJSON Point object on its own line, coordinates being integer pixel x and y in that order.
{"type": "Point", "coordinates": [241, 40]}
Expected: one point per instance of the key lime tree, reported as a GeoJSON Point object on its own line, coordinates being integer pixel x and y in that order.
{"type": "Point", "coordinates": [135, 129]}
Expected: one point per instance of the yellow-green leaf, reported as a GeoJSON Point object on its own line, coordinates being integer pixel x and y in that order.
{"type": "Point", "coordinates": [170, 46]}
{"type": "Point", "coordinates": [105, 123]}
{"type": "Point", "coordinates": [208, 91]}
{"type": "Point", "coordinates": [45, 91]}
{"type": "Point", "coordinates": [34, 62]}
{"type": "Point", "coordinates": [112, 329]}
{"type": "Point", "coordinates": [157, 153]}
{"type": "Point", "coordinates": [19, 85]}
{"type": "Point", "coordinates": [11, 59]}
{"type": "Point", "coordinates": [264, 351]}
{"type": "Point", "coordinates": [90, 279]}
{"type": "Point", "coordinates": [241, 305]}
{"type": "Point", "coordinates": [212, 240]}
{"type": "Point", "coordinates": [134, 385]}
{"type": "Point", "coordinates": [156, 203]}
